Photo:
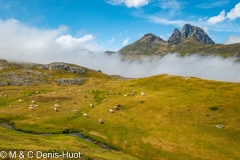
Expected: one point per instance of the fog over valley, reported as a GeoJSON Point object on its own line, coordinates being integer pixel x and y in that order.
{"type": "Point", "coordinates": [20, 42]}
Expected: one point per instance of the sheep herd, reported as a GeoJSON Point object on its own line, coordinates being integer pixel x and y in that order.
{"type": "Point", "coordinates": [56, 107]}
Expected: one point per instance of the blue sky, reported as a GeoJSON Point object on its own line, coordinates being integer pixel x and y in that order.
{"type": "Point", "coordinates": [112, 24]}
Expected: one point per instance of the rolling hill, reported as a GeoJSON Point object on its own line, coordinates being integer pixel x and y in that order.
{"type": "Point", "coordinates": [177, 118]}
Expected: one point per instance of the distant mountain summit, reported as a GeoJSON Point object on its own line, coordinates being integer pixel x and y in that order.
{"type": "Point", "coordinates": [189, 31]}
{"type": "Point", "coordinates": [191, 40]}
{"type": "Point", "coordinates": [149, 44]}
{"type": "Point", "coordinates": [175, 37]}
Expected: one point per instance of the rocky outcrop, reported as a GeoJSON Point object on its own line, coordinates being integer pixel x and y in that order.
{"type": "Point", "coordinates": [196, 33]}
{"type": "Point", "coordinates": [76, 81]}
{"type": "Point", "coordinates": [62, 66]}
{"type": "Point", "coordinates": [175, 37]}
{"type": "Point", "coordinates": [151, 38]}
{"type": "Point", "coordinates": [23, 78]}
{"type": "Point", "coordinates": [3, 63]}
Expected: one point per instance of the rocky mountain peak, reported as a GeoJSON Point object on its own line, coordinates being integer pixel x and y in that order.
{"type": "Point", "coordinates": [149, 37]}
{"type": "Point", "coordinates": [175, 37]}
{"type": "Point", "coordinates": [190, 31]}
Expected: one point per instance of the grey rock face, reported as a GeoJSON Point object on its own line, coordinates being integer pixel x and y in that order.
{"type": "Point", "coordinates": [197, 33]}
{"type": "Point", "coordinates": [62, 66]}
{"type": "Point", "coordinates": [23, 78]}
{"type": "Point", "coordinates": [175, 37]}
{"type": "Point", "coordinates": [72, 81]}
{"type": "Point", "coordinates": [149, 37]}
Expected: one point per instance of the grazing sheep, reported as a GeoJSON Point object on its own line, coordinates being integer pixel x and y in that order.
{"type": "Point", "coordinates": [219, 126]}
{"type": "Point", "coordinates": [20, 101]}
{"type": "Point", "coordinates": [33, 101]}
{"type": "Point", "coordinates": [100, 121]}
{"type": "Point", "coordinates": [37, 92]}
{"type": "Point", "coordinates": [75, 111]}
{"type": "Point", "coordinates": [31, 105]}
{"type": "Point", "coordinates": [105, 100]}
{"type": "Point", "coordinates": [6, 95]}
{"type": "Point", "coordinates": [111, 110]}
{"type": "Point", "coordinates": [85, 115]}
{"type": "Point", "coordinates": [125, 95]}
{"type": "Point", "coordinates": [74, 102]}
{"type": "Point", "coordinates": [117, 106]}
{"type": "Point", "coordinates": [125, 143]}
{"type": "Point", "coordinates": [35, 106]}
{"type": "Point", "coordinates": [55, 108]}
{"type": "Point", "coordinates": [56, 105]}
{"type": "Point", "coordinates": [142, 94]}
{"type": "Point", "coordinates": [79, 90]}
{"type": "Point", "coordinates": [31, 108]}
{"type": "Point", "coordinates": [91, 105]}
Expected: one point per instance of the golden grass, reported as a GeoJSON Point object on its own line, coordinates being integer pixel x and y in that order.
{"type": "Point", "coordinates": [173, 120]}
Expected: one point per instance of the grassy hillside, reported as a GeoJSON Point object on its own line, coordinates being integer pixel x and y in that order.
{"type": "Point", "coordinates": [176, 119]}
{"type": "Point", "coordinates": [191, 46]}
{"type": "Point", "coordinates": [185, 47]}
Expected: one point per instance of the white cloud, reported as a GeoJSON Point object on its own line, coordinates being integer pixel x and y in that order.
{"type": "Point", "coordinates": [212, 4]}
{"type": "Point", "coordinates": [232, 39]}
{"type": "Point", "coordinates": [234, 13]}
{"type": "Point", "coordinates": [165, 21]}
{"type": "Point", "coordinates": [170, 4]}
{"type": "Point", "coordinates": [129, 3]}
{"type": "Point", "coordinates": [216, 19]}
{"type": "Point", "coordinates": [111, 40]}
{"type": "Point", "coordinates": [69, 41]}
{"type": "Point", "coordinates": [24, 43]}
{"type": "Point", "coordinates": [125, 42]}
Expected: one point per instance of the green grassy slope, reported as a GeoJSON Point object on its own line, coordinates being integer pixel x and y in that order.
{"type": "Point", "coordinates": [176, 119]}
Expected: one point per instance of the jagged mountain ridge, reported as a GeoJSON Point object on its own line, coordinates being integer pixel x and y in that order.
{"type": "Point", "coordinates": [191, 40]}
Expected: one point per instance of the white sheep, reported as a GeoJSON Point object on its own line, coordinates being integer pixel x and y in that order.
{"type": "Point", "coordinates": [142, 94]}
{"type": "Point", "coordinates": [79, 90]}
{"type": "Point", "coordinates": [20, 101]}
{"type": "Point", "coordinates": [75, 111]}
{"type": "Point", "coordinates": [111, 110]}
{"type": "Point", "coordinates": [35, 106]}
{"type": "Point", "coordinates": [31, 108]}
{"type": "Point", "coordinates": [105, 100]}
{"type": "Point", "coordinates": [117, 106]}
{"type": "Point", "coordinates": [55, 108]}
{"type": "Point", "coordinates": [33, 101]}
{"type": "Point", "coordinates": [100, 121]}
{"type": "Point", "coordinates": [31, 105]}
{"type": "Point", "coordinates": [125, 143]}
{"type": "Point", "coordinates": [85, 115]}
{"type": "Point", "coordinates": [91, 105]}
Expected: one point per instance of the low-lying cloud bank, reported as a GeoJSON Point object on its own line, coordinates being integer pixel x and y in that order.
{"type": "Point", "coordinates": [23, 43]}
